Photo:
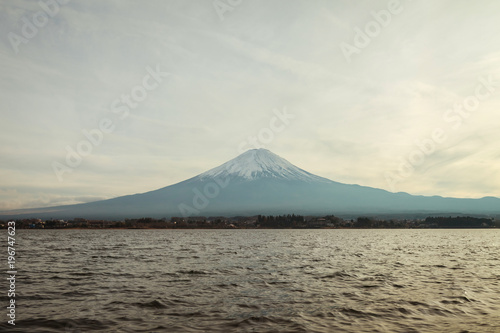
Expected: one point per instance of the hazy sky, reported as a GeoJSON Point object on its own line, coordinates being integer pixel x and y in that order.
{"type": "Point", "coordinates": [357, 101]}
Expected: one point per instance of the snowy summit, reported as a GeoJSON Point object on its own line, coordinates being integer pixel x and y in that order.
{"type": "Point", "coordinates": [260, 163]}
{"type": "Point", "coordinates": [260, 182]}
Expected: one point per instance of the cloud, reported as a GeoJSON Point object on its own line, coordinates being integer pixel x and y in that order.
{"type": "Point", "coordinates": [354, 120]}
{"type": "Point", "coordinates": [11, 199]}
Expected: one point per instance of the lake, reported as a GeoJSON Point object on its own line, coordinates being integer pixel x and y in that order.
{"type": "Point", "coordinates": [256, 281]}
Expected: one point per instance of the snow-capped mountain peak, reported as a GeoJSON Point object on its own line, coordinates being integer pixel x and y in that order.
{"type": "Point", "coordinates": [260, 163]}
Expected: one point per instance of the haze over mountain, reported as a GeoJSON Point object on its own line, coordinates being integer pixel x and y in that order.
{"type": "Point", "coordinates": [260, 182]}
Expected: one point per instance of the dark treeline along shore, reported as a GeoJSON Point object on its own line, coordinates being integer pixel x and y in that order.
{"type": "Point", "coordinates": [261, 222]}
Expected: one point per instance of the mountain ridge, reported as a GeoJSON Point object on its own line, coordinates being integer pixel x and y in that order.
{"type": "Point", "coordinates": [261, 182]}
{"type": "Point", "coordinates": [260, 163]}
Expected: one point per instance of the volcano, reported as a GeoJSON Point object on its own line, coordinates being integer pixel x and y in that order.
{"type": "Point", "coordinates": [261, 182]}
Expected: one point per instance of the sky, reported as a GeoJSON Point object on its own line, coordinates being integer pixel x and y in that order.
{"type": "Point", "coordinates": [100, 99]}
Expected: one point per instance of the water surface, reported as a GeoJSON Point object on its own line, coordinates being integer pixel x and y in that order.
{"type": "Point", "coordinates": [257, 281]}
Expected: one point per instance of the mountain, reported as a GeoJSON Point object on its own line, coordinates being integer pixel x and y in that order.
{"type": "Point", "coordinates": [260, 182]}
{"type": "Point", "coordinates": [259, 163]}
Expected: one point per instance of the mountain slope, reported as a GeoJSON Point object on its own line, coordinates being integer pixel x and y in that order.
{"type": "Point", "coordinates": [260, 182]}
{"type": "Point", "coordinates": [260, 163]}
